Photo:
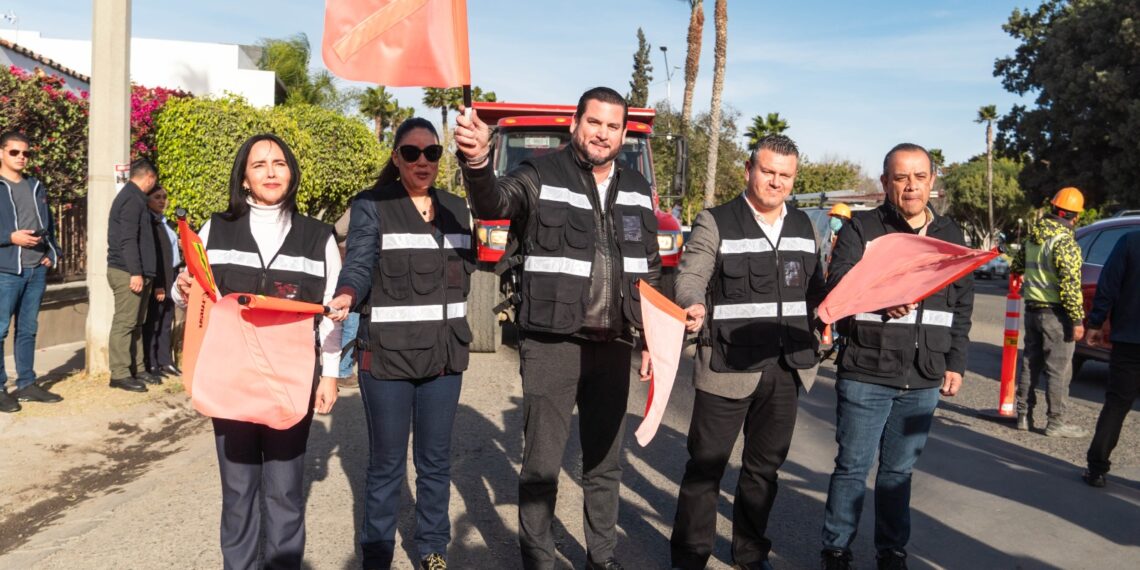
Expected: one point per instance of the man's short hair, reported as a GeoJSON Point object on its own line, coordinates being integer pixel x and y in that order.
{"type": "Point", "coordinates": [778, 144]}
{"type": "Point", "coordinates": [142, 167]}
{"type": "Point", "coordinates": [13, 136]}
{"type": "Point", "coordinates": [907, 147]}
{"type": "Point", "coordinates": [605, 95]}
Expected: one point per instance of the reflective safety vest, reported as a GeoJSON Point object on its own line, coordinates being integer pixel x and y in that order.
{"type": "Point", "coordinates": [296, 271]}
{"type": "Point", "coordinates": [757, 297]}
{"type": "Point", "coordinates": [418, 303]}
{"type": "Point", "coordinates": [1040, 283]}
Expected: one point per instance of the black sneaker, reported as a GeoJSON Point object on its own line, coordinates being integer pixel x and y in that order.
{"type": "Point", "coordinates": [433, 561]}
{"type": "Point", "coordinates": [8, 404]}
{"type": "Point", "coordinates": [611, 563]}
{"type": "Point", "coordinates": [891, 559]}
{"type": "Point", "coordinates": [1094, 479]}
{"type": "Point", "coordinates": [831, 559]}
{"type": "Point", "coordinates": [36, 393]}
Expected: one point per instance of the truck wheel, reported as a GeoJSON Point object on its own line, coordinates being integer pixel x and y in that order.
{"type": "Point", "coordinates": [486, 332]}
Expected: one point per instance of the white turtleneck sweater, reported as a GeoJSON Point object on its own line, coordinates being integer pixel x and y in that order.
{"type": "Point", "coordinates": [269, 228]}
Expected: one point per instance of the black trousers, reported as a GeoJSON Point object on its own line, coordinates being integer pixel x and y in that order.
{"type": "Point", "coordinates": [262, 466]}
{"type": "Point", "coordinates": [769, 418]}
{"type": "Point", "coordinates": [1123, 388]}
{"type": "Point", "coordinates": [559, 372]}
{"type": "Point", "coordinates": [156, 333]}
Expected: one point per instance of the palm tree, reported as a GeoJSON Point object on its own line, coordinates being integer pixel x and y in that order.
{"type": "Point", "coordinates": [398, 116]}
{"type": "Point", "coordinates": [378, 104]}
{"type": "Point", "coordinates": [720, 19]}
{"type": "Point", "coordinates": [988, 114]}
{"type": "Point", "coordinates": [764, 126]}
{"type": "Point", "coordinates": [288, 58]}
{"type": "Point", "coordinates": [692, 60]}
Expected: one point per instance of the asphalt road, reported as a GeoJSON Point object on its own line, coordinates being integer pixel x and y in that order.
{"type": "Point", "coordinates": [984, 496]}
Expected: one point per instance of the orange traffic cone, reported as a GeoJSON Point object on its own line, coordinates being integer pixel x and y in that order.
{"type": "Point", "coordinates": [1006, 407]}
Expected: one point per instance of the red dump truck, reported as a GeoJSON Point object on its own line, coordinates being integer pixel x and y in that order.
{"type": "Point", "coordinates": [522, 131]}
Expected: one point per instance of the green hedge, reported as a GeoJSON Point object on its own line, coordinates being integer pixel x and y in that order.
{"type": "Point", "coordinates": [198, 138]}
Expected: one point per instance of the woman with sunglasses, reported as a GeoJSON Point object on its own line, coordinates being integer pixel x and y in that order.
{"type": "Point", "coordinates": [261, 244]}
{"type": "Point", "coordinates": [407, 270]}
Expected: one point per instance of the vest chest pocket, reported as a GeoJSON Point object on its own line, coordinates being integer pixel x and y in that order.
{"type": "Point", "coordinates": [763, 274]}
{"type": "Point", "coordinates": [581, 224]}
{"type": "Point", "coordinates": [240, 280]}
{"type": "Point", "coordinates": [426, 273]}
{"type": "Point", "coordinates": [879, 349]}
{"type": "Point", "coordinates": [554, 302]}
{"type": "Point", "coordinates": [734, 276]}
{"type": "Point", "coordinates": [407, 350]}
{"type": "Point", "coordinates": [937, 343]}
{"type": "Point", "coordinates": [394, 278]}
{"type": "Point", "coordinates": [551, 226]}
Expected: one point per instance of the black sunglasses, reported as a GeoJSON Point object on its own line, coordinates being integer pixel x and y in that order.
{"type": "Point", "coordinates": [16, 152]}
{"type": "Point", "coordinates": [412, 153]}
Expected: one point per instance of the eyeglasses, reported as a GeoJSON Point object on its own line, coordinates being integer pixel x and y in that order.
{"type": "Point", "coordinates": [17, 152]}
{"type": "Point", "coordinates": [412, 153]}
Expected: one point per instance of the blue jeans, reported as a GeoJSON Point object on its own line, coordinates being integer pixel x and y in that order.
{"type": "Point", "coordinates": [896, 422]}
{"type": "Point", "coordinates": [392, 408]}
{"type": "Point", "coordinates": [20, 296]}
{"type": "Point", "coordinates": [348, 335]}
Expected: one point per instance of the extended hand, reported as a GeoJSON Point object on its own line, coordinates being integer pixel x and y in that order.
{"type": "Point", "coordinates": [160, 294]}
{"type": "Point", "coordinates": [901, 311]}
{"type": "Point", "coordinates": [339, 307]}
{"type": "Point", "coordinates": [472, 136]}
{"type": "Point", "coordinates": [646, 371]}
{"type": "Point", "coordinates": [326, 395]}
{"type": "Point", "coordinates": [694, 317]}
{"type": "Point", "coordinates": [183, 284]}
{"type": "Point", "coordinates": [1078, 333]}
{"type": "Point", "coordinates": [951, 382]}
{"type": "Point", "coordinates": [1093, 337]}
{"type": "Point", "coordinates": [136, 284]}
{"type": "Point", "coordinates": [24, 238]}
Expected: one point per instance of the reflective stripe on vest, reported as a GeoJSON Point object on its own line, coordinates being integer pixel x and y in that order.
{"type": "Point", "coordinates": [1040, 282]}
{"type": "Point", "coordinates": [282, 262]}
{"type": "Point", "coordinates": [418, 313]}
{"type": "Point", "coordinates": [565, 265]}
{"type": "Point", "coordinates": [634, 199]}
{"type": "Point", "coordinates": [761, 245]}
{"type": "Point", "coordinates": [424, 241]}
{"type": "Point", "coordinates": [759, 310]}
{"type": "Point", "coordinates": [635, 264]}
{"type": "Point", "coordinates": [932, 318]}
{"type": "Point", "coordinates": [564, 195]}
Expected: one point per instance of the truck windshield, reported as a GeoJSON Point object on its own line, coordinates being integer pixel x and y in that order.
{"type": "Point", "coordinates": [518, 145]}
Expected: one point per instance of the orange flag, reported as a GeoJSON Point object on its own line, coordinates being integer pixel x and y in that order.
{"type": "Point", "coordinates": [255, 365]}
{"type": "Point", "coordinates": [203, 294]}
{"type": "Point", "coordinates": [277, 304]}
{"type": "Point", "coordinates": [664, 336]}
{"type": "Point", "coordinates": [194, 252]}
{"type": "Point", "coordinates": [398, 43]}
{"type": "Point", "coordinates": [899, 269]}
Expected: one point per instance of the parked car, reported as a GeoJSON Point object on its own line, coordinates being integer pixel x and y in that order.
{"type": "Point", "coordinates": [1096, 241]}
{"type": "Point", "coordinates": [996, 268]}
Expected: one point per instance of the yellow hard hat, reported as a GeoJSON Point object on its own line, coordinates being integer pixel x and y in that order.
{"type": "Point", "coordinates": [1069, 199]}
{"type": "Point", "coordinates": [840, 210]}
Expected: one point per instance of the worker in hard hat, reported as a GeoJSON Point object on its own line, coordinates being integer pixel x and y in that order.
{"type": "Point", "coordinates": [1050, 262]}
{"type": "Point", "coordinates": [838, 216]}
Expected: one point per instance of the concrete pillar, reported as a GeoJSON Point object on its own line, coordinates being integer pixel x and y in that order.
{"type": "Point", "coordinates": [108, 144]}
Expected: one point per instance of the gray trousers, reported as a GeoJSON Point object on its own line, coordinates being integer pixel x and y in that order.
{"type": "Point", "coordinates": [1048, 357]}
{"type": "Point", "coordinates": [559, 372]}
{"type": "Point", "coordinates": [125, 346]}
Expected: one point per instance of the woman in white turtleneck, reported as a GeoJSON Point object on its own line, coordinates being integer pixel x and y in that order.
{"type": "Point", "coordinates": [262, 243]}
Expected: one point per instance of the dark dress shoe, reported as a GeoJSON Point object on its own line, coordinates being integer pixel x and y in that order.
{"type": "Point", "coordinates": [128, 384]}
{"type": "Point", "coordinates": [36, 393]}
{"type": "Point", "coordinates": [149, 378]}
{"type": "Point", "coordinates": [8, 404]}
{"type": "Point", "coordinates": [1094, 479]}
{"type": "Point", "coordinates": [170, 370]}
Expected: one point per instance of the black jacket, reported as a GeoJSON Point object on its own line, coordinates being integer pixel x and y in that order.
{"type": "Point", "coordinates": [604, 304]}
{"type": "Point", "coordinates": [1116, 291]}
{"type": "Point", "coordinates": [130, 234]}
{"type": "Point", "coordinates": [898, 354]}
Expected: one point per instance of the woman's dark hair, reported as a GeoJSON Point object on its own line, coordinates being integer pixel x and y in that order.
{"type": "Point", "coordinates": [238, 195]}
{"type": "Point", "coordinates": [390, 173]}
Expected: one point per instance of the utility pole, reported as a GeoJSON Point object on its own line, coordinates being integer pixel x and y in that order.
{"type": "Point", "coordinates": [108, 144]}
{"type": "Point", "coordinates": [668, 76]}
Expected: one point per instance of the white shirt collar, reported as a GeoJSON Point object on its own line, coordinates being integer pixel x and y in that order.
{"type": "Point", "coordinates": [760, 218]}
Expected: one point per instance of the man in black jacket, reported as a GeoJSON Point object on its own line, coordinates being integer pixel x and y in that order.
{"type": "Point", "coordinates": [894, 366]}
{"type": "Point", "coordinates": [132, 263]}
{"type": "Point", "coordinates": [587, 233]}
{"type": "Point", "coordinates": [1116, 297]}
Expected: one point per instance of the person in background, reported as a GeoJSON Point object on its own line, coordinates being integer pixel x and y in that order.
{"type": "Point", "coordinates": [158, 356]}
{"type": "Point", "coordinates": [348, 377]}
{"type": "Point", "coordinates": [1050, 261]}
{"type": "Point", "coordinates": [27, 251]}
{"type": "Point", "coordinates": [262, 241]}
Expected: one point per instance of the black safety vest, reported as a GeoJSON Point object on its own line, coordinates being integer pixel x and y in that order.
{"type": "Point", "coordinates": [879, 347]}
{"type": "Point", "coordinates": [418, 303]}
{"type": "Point", "coordinates": [560, 240]}
{"type": "Point", "coordinates": [296, 271]}
{"type": "Point", "coordinates": [758, 294]}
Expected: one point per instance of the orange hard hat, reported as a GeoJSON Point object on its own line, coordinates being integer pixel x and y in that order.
{"type": "Point", "coordinates": [841, 210]}
{"type": "Point", "coordinates": [1069, 199]}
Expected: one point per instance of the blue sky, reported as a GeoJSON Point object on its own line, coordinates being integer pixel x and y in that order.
{"type": "Point", "coordinates": [851, 78]}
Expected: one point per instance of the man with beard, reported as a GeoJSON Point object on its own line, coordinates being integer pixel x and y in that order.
{"type": "Point", "coordinates": [587, 232]}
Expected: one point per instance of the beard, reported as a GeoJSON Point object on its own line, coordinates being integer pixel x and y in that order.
{"type": "Point", "coordinates": [595, 159]}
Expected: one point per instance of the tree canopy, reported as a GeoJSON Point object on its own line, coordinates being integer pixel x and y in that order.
{"type": "Point", "coordinates": [763, 126]}
{"type": "Point", "coordinates": [642, 73]}
{"type": "Point", "coordinates": [1079, 58]}
{"type": "Point", "coordinates": [965, 184]}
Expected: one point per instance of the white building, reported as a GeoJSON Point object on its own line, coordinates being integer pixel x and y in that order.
{"type": "Point", "coordinates": [203, 69]}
